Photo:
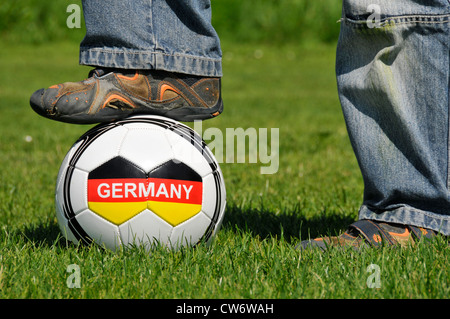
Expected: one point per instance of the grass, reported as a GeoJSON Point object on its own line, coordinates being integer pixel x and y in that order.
{"type": "Point", "coordinates": [317, 190]}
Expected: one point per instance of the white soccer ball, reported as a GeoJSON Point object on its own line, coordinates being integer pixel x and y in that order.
{"type": "Point", "coordinates": [144, 180]}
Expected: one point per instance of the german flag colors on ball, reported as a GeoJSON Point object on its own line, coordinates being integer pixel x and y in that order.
{"type": "Point", "coordinates": [118, 190]}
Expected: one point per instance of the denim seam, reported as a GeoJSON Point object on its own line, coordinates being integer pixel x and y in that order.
{"type": "Point", "coordinates": [149, 53]}
{"type": "Point", "coordinates": [405, 19]}
{"type": "Point", "coordinates": [448, 126]}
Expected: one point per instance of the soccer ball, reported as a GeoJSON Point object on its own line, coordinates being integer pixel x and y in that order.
{"type": "Point", "coordinates": [143, 180]}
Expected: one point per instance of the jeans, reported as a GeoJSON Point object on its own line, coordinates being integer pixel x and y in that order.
{"type": "Point", "coordinates": [170, 35]}
{"type": "Point", "coordinates": [392, 70]}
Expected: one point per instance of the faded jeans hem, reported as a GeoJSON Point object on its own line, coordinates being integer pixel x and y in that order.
{"type": "Point", "coordinates": [148, 60]}
{"type": "Point", "coordinates": [409, 216]}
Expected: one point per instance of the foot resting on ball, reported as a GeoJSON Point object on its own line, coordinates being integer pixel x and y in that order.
{"type": "Point", "coordinates": [112, 94]}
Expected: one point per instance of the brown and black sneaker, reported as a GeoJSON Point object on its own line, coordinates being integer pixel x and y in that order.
{"type": "Point", "coordinates": [371, 233]}
{"type": "Point", "coordinates": [109, 95]}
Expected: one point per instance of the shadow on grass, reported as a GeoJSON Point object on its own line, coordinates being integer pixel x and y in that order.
{"type": "Point", "coordinates": [46, 234]}
{"type": "Point", "coordinates": [289, 224]}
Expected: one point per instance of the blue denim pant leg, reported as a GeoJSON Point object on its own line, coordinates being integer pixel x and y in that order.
{"type": "Point", "coordinates": [393, 83]}
{"type": "Point", "coordinates": [170, 35]}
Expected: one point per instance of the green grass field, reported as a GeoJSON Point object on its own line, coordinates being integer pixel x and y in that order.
{"type": "Point", "coordinates": [317, 190]}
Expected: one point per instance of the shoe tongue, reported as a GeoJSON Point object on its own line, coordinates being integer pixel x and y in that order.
{"type": "Point", "coordinates": [99, 71]}
{"type": "Point", "coordinates": [393, 228]}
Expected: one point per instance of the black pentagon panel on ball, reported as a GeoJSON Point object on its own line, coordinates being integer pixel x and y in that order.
{"type": "Point", "coordinates": [175, 170]}
{"type": "Point", "coordinates": [118, 167]}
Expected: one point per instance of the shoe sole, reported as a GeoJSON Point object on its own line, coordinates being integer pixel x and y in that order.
{"type": "Point", "coordinates": [182, 114]}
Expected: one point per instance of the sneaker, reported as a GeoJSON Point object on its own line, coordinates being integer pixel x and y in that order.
{"type": "Point", "coordinates": [370, 233]}
{"type": "Point", "coordinates": [109, 95]}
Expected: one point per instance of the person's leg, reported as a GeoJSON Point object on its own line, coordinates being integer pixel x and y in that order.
{"type": "Point", "coordinates": [394, 89]}
{"type": "Point", "coordinates": [151, 57]}
{"type": "Point", "coordinates": [393, 83]}
{"type": "Point", "coordinates": [169, 35]}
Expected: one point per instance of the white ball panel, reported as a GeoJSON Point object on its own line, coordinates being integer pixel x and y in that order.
{"type": "Point", "coordinates": [59, 193]}
{"type": "Point", "coordinates": [146, 147]}
{"type": "Point", "coordinates": [185, 152]}
{"type": "Point", "coordinates": [220, 220]}
{"type": "Point", "coordinates": [142, 125]}
{"type": "Point", "coordinates": [63, 223]}
{"type": "Point", "coordinates": [223, 189]}
{"type": "Point", "coordinates": [223, 201]}
{"type": "Point", "coordinates": [191, 231]}
{"type": "Point", "coordinates": [100, 230]}
{"type": "Point", "coordinates": [144, 229]}
{"type": "Point", "coordinates": [65, 163]}
{"type": "Point", "coordinates": [209, 195]}
{"type": "Point", "coordinates": [78, 191]}
{"type": "Point", "coordinates": [104, 148]}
